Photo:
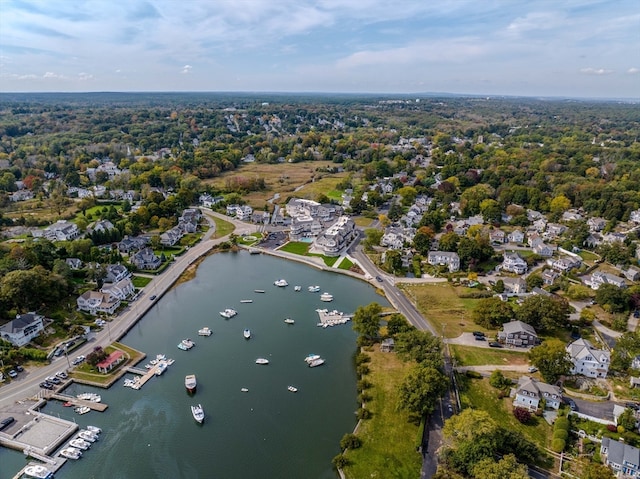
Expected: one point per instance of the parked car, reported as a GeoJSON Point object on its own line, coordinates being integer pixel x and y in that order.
{"type": "Point", "coordinates": [571, 403]}
{"type": "Point", "coordinates": [13, 373]}
{"type": "Point", "coordinates": [633, 405]}
{"type": "Point", "coordinates": [19, 368]}
{"type": "Point", "coordinates": [46, 385]}
{"type": "Point", "coordinates": [479, 338]}
{"type": "Point", "coordinates": [478, 334]}
{"type": "Point", "coordinates": [6, 422]}
{"type": "Point", "coordinates": [78, 360]}
{"type": "Point", "coordinates": [494, 344]}
{"type": "Point", "coordinates": [533, 369]}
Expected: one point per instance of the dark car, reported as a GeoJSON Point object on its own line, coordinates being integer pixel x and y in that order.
{"type": "Point", "coordinates": [6, 422]}
{"type": "Point", "coordinates": [632, 405]}
{"type": "Point", "coordinates": [494, 344]}
{"type": "Point", "coordinates": [378, 279]}
{"type": "Point", "coordinates": [46, 385]}
{"type": "Point", "coordinates": [572, 404]}
{"type": "Point", "coordinates": [636, 313]}
{"type": "Point", "coordinates": [153, 297]}
{"type": "Point", "coordinates": [19, 368]}
{"type": "Point", "coordinates": [479, 338]}
{"type": "Point", "coordinates": [478, 334]}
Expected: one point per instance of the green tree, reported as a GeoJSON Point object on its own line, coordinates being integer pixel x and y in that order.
{"type": "Point", "coordinates": [372, 237]}
{"type": "Point", "coordinates": [559, 204]}
{"type": "Point", "coordinates": [422, 239]}
{"type": "Point", "coordinates": [419, 346]}
{"type": "Point", "coordinates": [421, 388]}
{"type": "Point", "coordinates": [613, 298]}
{"type": "Point", "coordinates": [551, 359]}
{"type": "Point", "coordinates": [492, 312]}
{"type": "Point", "coordinates": [544, 313]}
{"type": "Point", "coordinates": [366, 321]}
{"type": "Point", "coordinates": [397, 323]}
{"type": "Point", "coordinates": [449, 242]}
{"type": "Point", "coordinates": [627, 420]}
{"type": "Point", "coordinates": [505, 468]}
{"type": "Point", "coordinates": [593, 470]}
{"type": "Point", "coordinates": [393, 261]}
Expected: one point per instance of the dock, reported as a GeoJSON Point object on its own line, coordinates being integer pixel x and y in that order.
{"type": "Point", "coordinates": [95, 406]}
{"type": "Point", "coordinates": [332, 318]}
{"type": "Point", "coordinates": [145, 374]}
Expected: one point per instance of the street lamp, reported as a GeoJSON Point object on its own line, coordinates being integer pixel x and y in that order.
{"type": "Point", "coordinates": [66, 355]}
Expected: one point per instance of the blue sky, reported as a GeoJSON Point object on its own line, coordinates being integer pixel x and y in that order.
{"type": "Point", "coordinates": [574, 48]}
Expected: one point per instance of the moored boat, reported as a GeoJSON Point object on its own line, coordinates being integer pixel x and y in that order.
{"type": "Point", "coordinates": [246, 333]}
{"type": "Point", "coordinates": [281, 283]}
{"type": "Point", "coordinates": [316, 362]}
{"type": "Point", "coordinates": [297, 288]}
{"type": "Point", "coordinates": [93, 397]}
{"type": "Point", "coordinates": [80, 443]}
{"type": "Point", "coordinates": [258, 290]}
{"type": "Point", "coordinates": [293, 389]}
{"type": "Point", "coordinates": [228, 313]}
{"type": "Point", "coordinates": [161, 367]}
{"type": "Point", "coordinates": [311, 357]}
{"type": "Point", "coordinates": [262, 361]}
{"type": "Point", "coordinates": [88, 435]}
{"type": "Point", "coordinates": [326, 297]}
{"type": "Point", "coordinates": [190, 382]}
{"type": "Point", "coordinates": [82, 409]}
{"type": "Point", "coordinates": [204, 331]}
{"type": "Point", "coordinates": [244, 390]}
{"type": "Point", "coordinates": [289, 321]}
{"type": "Point", "coordinates": [38, 471]}
{"type": "Point", "coordinates": [314, 289]}
{"type": "Point", "coordinates": [94, 429]}
{"type": "Point", "coordinates": [198, 413]}
{"type": "Point", "coordinates": [186, 345]}
{"type": "Point", "coordinates": [71, 453]}
{"type": "Point", "coordinates": [246, 300]}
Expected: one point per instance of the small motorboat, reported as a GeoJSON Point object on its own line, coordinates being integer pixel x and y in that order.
{"type": "Point", "coordinates": [326, 297]}
{"type": "Point", "coordinates": [316, 362]}
{"type": "Point", "coordinates": [71, 453]}
{"type": "Point", "coordinates": [204, 331]}
{"type": "Point", "coordinates": [246, 333]}
{"type": "Point", "coordinates": [161, 368]}
{"type": "Point", "coordinates": [82, 409]}
{"type": "Point", "coordinates": [289, 321]}
{"type": "Point", "coordinates": [94, 429]}
{"type": "Point", "coordinates": [314, 289]}
{"type": "Point", "coordinates": [185, 345]}
{"type": "Point", "coordinates": [67, 404]}
{"type": "Point", "coordinates": [246, 300]}
{"type": "Point", "coordinates": [93, 397]}
{"type": "Point", "coordinates": [38, 471]}
{"type": "Point", "coordinates": [281, 283]}
{"type": "Point", "coordinates": [79, 443]}
{"type": "Point", "coordinates": [87, 435]}
{"type": "Point", "coordinates": [262, 361]}
{"type": "Point", "coordinates": [228, 313]}
{"type": "Point", "coordinates": [293, 389]}
{"type": "Point", "coordinates": [258, 290]}
{"type": "Point", "coordinates": [297, 288]}
{"type": "Point", "coordinates": [190, 383]}
{"type": "Point", "coordinates": [198, 413]}
{"type": "Point", "coordinates": [244, 390]}
{"type": "Point", "coordinates": [311, 357]}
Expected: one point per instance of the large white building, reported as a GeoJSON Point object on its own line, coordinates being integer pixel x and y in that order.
{"type": "Point", "coordinates": [61, 230]}
{"type": "Point", "coordinates": [23, 329]}
{"type": "Point", "coordinates": [337, 237]}
{"type": "Point", "coordinates": [588, 360]}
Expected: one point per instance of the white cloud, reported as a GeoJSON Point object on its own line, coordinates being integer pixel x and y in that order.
{"type": "Point", "coordinates": [186, 69]}
{"type": "Point", "coordinates": [53, 76]}
{"type": "Point", "coordinates": [595, 71]}
{"type": "Point", "coordinates": [633, 70]}
{"type": "Point", "coordinates": [85, 76]}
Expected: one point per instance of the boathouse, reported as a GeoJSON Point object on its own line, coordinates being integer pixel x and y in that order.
{"type": "Point", "coordinates": [110, 362]}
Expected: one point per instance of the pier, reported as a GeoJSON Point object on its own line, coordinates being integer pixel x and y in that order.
{"type": "Point", "coordinates": [332, 318]}
{"type": "Point", "coordinates": [95, 406]}
{"type": "Point", "coordinates": [143, 375]}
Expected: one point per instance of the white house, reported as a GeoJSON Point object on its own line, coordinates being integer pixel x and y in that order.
{"type": "Point", "coordinates": [23, 329]}
{"type": "Point", "coordinates": [516, 236]}
{"type": "Point", "coordinates": [95, 302]}
{"type": "Point", "coordinates": [530, 392]}
{"type": "Point", "coordinates": [513, 263]}
{"type": "Point", "coordinates": [598, 278]}
{"type": "Point", "coordinates": [61, 230]}
{"type": "Point", "coordinates": [444, 258]}
{"type": "Point", "coordinates": [587, 360]}
{"type": "Point", "coordinates": [121, 290]}
{"type": "Point", "coordinates": [337, 236]}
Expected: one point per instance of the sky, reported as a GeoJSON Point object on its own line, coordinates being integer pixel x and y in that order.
{"type": "Point", "coordinates": [565, 48]}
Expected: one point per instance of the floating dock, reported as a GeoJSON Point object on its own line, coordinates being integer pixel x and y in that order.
{"type": "Point", "coordinates": [332, 318]}
{"type": "Point", "coordinates": [95, 406]}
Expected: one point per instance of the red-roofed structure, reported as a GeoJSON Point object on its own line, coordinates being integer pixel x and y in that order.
{"type": "Point", "coordinates": [112, 360]}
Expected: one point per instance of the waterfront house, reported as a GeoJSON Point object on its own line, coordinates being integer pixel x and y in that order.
{"type": "Point", "coordinates": [121, 289]}
{"type": "Point", "coordinates": [145, 259]}
{"type": "Point", "coordinates": [444, 258]}
{"type": "Point", "coordinates": [337, 237]}
{"type": "Point", "coordinates": [530, 392]}
{"type": "Point", "coordinates": [95, 302]}
{"type": "Point", "coordinates": [110, 362]}
{"type": "Point", "coordinates": [588, 360]}
{"type": "Point", "coordinates": [517, 333]}
{"type": "Point", "coordinates": [115, 273]}
{"type": "Point", "coordinates": [22, 329]}
{"type": "Point", "coordinates": [622, 458]}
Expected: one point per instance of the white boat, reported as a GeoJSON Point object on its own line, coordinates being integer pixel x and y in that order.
{"type": "Point", "coordinates": [316, 362]}
{"type": "Point", "coordinates": [204, 331]}
{"type": "Point", "coordinates": [87, 435]}
{"type": "Point", "coordinates": [258, 290]}
{"type": "Point", "coordinates": [80, 443]}
{"type": "Point", "coordinates": [38, 472]}
{"type": "Point", "coordinates": [94, 429]}
{"type": "Point", "coordinates": [190, 382]}
{"type": "Point", "coordinates": [314, 289]}
{"type": "Point", "coordinates": [246, 333]}
{"type": "Point", "coordinates": [161, 368]}
{"type": "Point", "coordinates": [281, 283]}
{"type": "Point", "coordinates": [326, 297]}
{"type": "Point", "coordinates": [289, 321]}
{"type": "Point", "coordinates": [244, 390]}
{"type": "Point", "coordinates": [185, 345]}
{"type": "Point", "coordinates": [297, 288]}
{"type": "Point", "coordinates": [160, 357]}
{"type": "Point", "coordinates": [93, 397]}
{"type": "Point", "coordinates": [228, 313]}
{"type": "Point", "coordinates": [82, 409]}
{"type": "Point", "coordinates": [198, 413]}
{"type": "Point", "coordinates": [71, 453]}
{"type": "Point", "coordinates": [262, 361]}
{"type": "Point", "coordinates": [311, 357]}
{"type": "Point", "coordinates": [293, 389]}
{"type": "Point", "coordinates": [246, 300]}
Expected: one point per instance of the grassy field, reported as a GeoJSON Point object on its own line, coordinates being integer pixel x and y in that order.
{"type": "Point", "coordinates": [283, 179]}
{"type": "Point", "coordinates": [223, 228]}
{"type": "Point", "coordinates": [479, 394]}
{"type": "Point", "coordinates": [440, 304]}
{"type": "Point", "coordinates": [388, 439]}
{"type": "Point", "coordinates": [470, 356]}
{"type": "Point", "coordinates": [345, 264]}
{"type": "Point", "coordinates": [296, 247]}
{"type": "Point", "coordinates": [140, 281]}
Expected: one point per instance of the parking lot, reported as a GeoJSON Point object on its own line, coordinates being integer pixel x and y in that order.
{"type": "Point", "coordinates": [274, 240]}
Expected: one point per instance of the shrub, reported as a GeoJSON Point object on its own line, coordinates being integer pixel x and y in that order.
{"type": "Point", "coordinates": [364, 397]}
{"type": "Point", "coordinates": [364, 384]}
{"type": "Point", "coordinates": [350, 441]}
{"type": "Point", "coordinates": [362, 358]}
{"type": "Point", "coordinates": [522, 415]}
{"type": "Point", "coordinates": [612, 428]}
{"type": "Point", "coordinates": [362, 370]}
{"type": "Point", "coordinates": [561, 423]}
{"type": "Point", "coordinates": [340, 461]}
{"type": "Point", "coordinates": [561, 434]}
{"type": "Point", "coordinates": [558, 445]}
{"type": "Point", "coordinates": [473, 375]}
{"type": "Point", "coordinates": [363, 414]}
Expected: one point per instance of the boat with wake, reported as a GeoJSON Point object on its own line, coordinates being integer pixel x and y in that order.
{"type": "Point", "coordinates": [228, 313]}
{"type": "Point", "coordinates": [281, 283]}
{"type": "Point", "coordinates": [246, 333]}
{"type": "Point", "coordinates": [205, 331]}
{"type": "Point", "coordinates": [198, 413]}
{"type": "Point", "coordinates": [190, 383]}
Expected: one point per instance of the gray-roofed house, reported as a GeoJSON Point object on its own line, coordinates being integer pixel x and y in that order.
{"type": "Point", "coordinates": [530, 392]}
{"type": "Point", "coordinates": [23, 329]}
{"type": "Point", "coordinates": [517, 333]}
{"type": "Point", "coordinates": [621, 457]}
{"type": "Point", "coordinates": [74, 263]}
{"type": "Point", "coordinates": [445, 258]}
{"type": "Point", "coordinates": [514, 285]}
{"type": "Point", "coordinates": [588, 360]}
{"type": "Point", "coordinates": [146, 259]}
{"type": "Point", "coordinates": [116, 272]}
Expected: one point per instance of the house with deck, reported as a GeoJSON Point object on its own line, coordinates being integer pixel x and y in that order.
{"type": "Point", "coordinates": [530, 392]}
{"type": "Point", "coordinates": [22, 329]}
{"type": "Point", "coordinates": [588, 360]}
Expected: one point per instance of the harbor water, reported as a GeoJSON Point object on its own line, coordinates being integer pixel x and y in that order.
{"type": "Point", "coordinates": [266, 432]}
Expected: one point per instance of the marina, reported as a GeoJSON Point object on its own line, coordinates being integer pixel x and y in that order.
{"type": "Point", "coordinates": [332, 318]}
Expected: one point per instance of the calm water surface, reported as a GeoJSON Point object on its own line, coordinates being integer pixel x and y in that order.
{"type": "Point", "coordinates": [267, 432]}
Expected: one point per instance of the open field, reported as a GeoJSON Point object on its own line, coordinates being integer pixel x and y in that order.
{"type": "Point", "coordinates": [440, 304]}
{"type": "Point", "coordinates": [283, 179]}
{"type": "Point", "coordinates": [388, 439]}
{"type": "Point", "coordinates": [470, 356]}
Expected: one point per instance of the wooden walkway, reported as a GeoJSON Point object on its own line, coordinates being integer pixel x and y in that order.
{"type": "Point", "coordinates": [96, 406]}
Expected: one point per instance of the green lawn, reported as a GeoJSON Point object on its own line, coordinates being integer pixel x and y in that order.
{"type": "Point", "coordinates": [479, 394]}
{"type": "Point", "coordinates": [388, 439]}
{"type": "Point", "coordinates": [588, 255]}
{"type": "Point", "coordinates": [470, 356]}
{"type": "Point", "coordinates": [140, 281]}
{"type": "Point", "coordinates": [440, 304]}
{"type": "Point", "coordinates": [296, 247]}
{"type": "Point", "coordinates": [223, 228]}
{"type": "Point", "coordinates": [346, 264]}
